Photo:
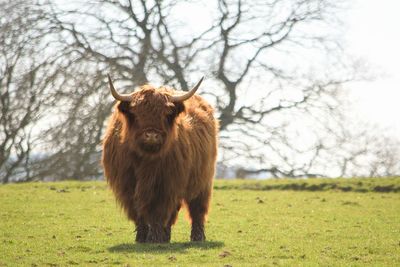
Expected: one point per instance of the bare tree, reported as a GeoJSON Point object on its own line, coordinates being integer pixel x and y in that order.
{"type": "Point", "coordinates": [24, 78]}
{"type": "Point", "coordinates": [254, 54]}
{"type": "Point", "coordinates": [367, 151]}
{"type": "Point", "coordinates": [144, 40]}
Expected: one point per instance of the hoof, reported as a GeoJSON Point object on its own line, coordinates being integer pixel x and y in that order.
{"type": "Point", "coordinates": [158, 234]}
{"type": "Point", "coordinates": [141, 233]}
{"type": "Point", "coordinates": [197, 234]}
{"type": "Point", "coordinates": [198, 238]}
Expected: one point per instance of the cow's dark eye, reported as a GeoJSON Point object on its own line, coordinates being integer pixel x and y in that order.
{"type": "Point", "coordinates": [171, 117]}
{"type": "Point", "coordinates": [131, 117]}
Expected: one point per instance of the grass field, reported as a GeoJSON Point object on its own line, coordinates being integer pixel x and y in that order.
{"type": "Point", "coordinates": [340, 222]}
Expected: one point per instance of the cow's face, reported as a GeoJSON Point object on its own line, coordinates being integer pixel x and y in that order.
{"type": "Point", "coordinates": [148, 117]}
{"type": "Point", "coordinates": [149, 120]}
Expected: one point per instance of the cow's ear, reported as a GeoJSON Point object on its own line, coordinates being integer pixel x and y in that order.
{"type": "Point", "coordinates": [179, 107]}
{"type": "Point", "coordinates": [175, 110]}
{"type": "Point", "coordinates": [123, 106]}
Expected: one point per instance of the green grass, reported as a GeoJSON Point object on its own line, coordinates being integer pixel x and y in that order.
{"type": "Point", "coordinates": [341, 222]}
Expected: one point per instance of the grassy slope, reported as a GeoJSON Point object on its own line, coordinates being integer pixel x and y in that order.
{"type": "Point", "coordinates": [69, 223]}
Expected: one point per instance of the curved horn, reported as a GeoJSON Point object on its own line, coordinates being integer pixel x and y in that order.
{"type": "Point", "coordinates": [180, 98]}
{"type": "Point", "coordinates": [116, 95]}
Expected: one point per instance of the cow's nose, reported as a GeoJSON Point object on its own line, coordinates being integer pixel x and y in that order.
{"type": "Point", "coordinates": [152, 137]}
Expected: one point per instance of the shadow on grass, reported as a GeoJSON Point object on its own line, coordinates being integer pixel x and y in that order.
{"type": "Point", "coordinates": [164, 248]}
{"type": "Point", "coordinates": [298, 186]}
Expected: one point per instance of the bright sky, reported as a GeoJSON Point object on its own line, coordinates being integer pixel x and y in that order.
{"type": "Point", "coordinates": [374, 34]}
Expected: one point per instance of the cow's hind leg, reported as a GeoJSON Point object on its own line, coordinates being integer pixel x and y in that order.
{"type": "Point", "coordinates": [172, 222]}
{"type": "Point", "coordinates": [142, 230]}
{"type": "Point", "coordinates": [157, 234]}
{"type": "Point", "coordinates": [198, 209]}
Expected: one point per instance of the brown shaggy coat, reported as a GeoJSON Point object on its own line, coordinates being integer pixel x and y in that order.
{"type": "Point", "coordinates": [151, 183]}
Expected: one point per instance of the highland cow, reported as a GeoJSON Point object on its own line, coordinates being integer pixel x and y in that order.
{"type": "Point", "coordinates": [159, 152]}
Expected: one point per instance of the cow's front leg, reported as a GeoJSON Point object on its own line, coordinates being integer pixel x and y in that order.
{"type": "Point", "coordinates": [198, 208]}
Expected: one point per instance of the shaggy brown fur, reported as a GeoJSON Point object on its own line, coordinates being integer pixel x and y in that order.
{"type": "Point", "coordinates": [152, 181]}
